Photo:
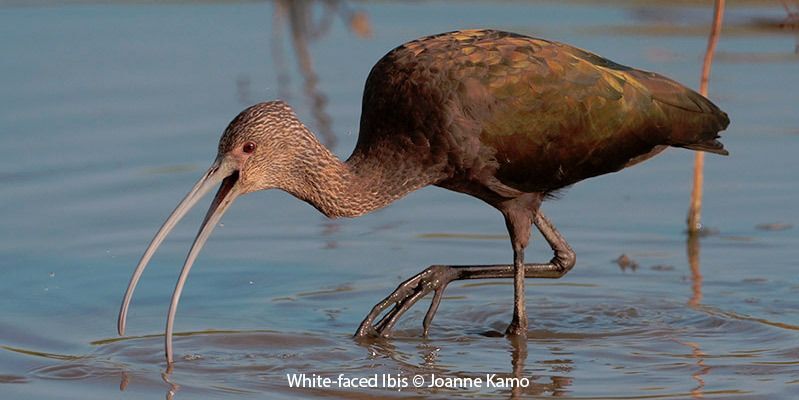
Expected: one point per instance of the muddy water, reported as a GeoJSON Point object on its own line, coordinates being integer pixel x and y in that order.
{"type": "Point", "coordinates": [110, 112]}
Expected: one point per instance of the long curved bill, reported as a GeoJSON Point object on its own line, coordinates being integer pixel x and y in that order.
{"type": "Point", "coordinates": [228, 192]}
{"type": "Point", "coordinates": [218, 172]}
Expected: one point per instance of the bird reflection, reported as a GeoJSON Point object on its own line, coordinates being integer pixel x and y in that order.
{"type": "Point", "coordinates": [124, 381]}
{"type": "Point", "coordinates": [518, 359]}
{"type": "Point", "coordinates": [429, 353]}
{"type": "Point", "coordinates": [173, 387]}
{"type": "Point", "coordinates": [556, 387]}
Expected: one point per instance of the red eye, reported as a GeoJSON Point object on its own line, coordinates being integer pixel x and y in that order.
{"type": "Point", "coordinates": [248, 147]}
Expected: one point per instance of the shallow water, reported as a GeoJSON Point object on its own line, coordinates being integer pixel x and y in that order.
{"type": "Point", "coordinates": [110, 112]}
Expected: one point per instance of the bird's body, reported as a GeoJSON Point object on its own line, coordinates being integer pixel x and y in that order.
{"type": "Point", "coordinates": [503, 117]}
{"type": "Point", "coordinates": [495, 114]}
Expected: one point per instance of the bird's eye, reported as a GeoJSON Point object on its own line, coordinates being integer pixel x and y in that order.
{"type": "Point", "coordinates": [248, 147]}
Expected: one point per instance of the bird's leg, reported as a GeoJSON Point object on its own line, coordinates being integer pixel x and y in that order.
{"type": "Point", "coordinates": [518, 325]}
{"type": "Point", "coordinates": [436, 278]}
{"type": "Point", "coordinates": [518, 221]}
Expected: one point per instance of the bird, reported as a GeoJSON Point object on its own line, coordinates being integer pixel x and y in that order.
{"type": "Point", "coordinates": [509, 119]}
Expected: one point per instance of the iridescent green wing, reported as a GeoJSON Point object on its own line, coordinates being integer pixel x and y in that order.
{"type": "Point", "coordinates": [562, 111]}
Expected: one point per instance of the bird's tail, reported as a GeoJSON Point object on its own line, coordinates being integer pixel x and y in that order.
{"type": "Point", "coordinates": [701, 125]}
{"type": "Point", "coordinates": [691, 120]}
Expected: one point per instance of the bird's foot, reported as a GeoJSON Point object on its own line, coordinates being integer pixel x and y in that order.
{"type": "Point", "coordinates": [433, 279]}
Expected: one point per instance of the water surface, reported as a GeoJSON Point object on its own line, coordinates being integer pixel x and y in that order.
{"type": "Point", "coordinates": [109, 113]}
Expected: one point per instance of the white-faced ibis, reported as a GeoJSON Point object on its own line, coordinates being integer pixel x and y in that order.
{"type": "Point", "coordinates": [506, 118]}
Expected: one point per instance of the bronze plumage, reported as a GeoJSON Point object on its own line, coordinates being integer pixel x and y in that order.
{"type": "Point", "coordinates": [503, 117]}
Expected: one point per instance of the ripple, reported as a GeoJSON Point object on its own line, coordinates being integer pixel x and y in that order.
{"type": "Point", "coordinates": [79, 370]}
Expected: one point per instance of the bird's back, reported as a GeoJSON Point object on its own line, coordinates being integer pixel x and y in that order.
{"type": "Point", "coordinates": [514, 113]}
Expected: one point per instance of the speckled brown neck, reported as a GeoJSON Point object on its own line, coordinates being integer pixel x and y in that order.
{"type": "Point", "coordinates": [355, 187]}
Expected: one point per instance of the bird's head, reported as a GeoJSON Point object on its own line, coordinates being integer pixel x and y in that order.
{"type": "Point", "coordinates": [262, 148]}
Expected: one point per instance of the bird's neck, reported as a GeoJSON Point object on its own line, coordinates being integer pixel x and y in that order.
{"type": "Point", "coordinates": [360, 185]}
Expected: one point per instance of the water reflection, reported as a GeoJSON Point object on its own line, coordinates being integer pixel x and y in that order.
{"type": "Point", "coordinates": [123, 381]}
{"type": "Point", "coordinates": [518, 360]}
{"type": "Point", "coordinates": [329, 228]}
{"type": "Point", "coordinates": [173, 388]}
{"type": "Point", "coordinates": [692, 246]}
{"type": "Point", "coordinates": [793, 16]}
{"type": "Point", "coordinates": [659, 21]}
{"type": "Point", "coordinates": [516, 382]}
{"type": "Point", "coordinates": [620, 333]}
{"type": "Point", "coordinates": [166, 374]}
{"type": "Point", "coordinates": [304, 28]}
{"type": "Point", "coordinates": [702, 369]}
{"type": "Point", "coordinates": [694, 213]}
{"type": "Point", "coordinates": [557, 385]}
{"type": "Point", "coordinates": [791, 21]}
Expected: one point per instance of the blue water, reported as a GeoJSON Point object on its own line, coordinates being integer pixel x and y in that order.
{"type": "Point", "coordinates": [109, 113]}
